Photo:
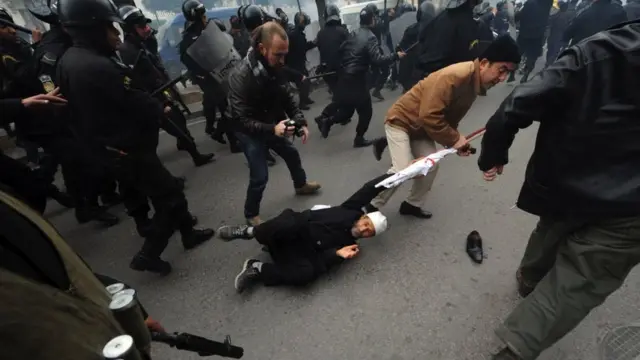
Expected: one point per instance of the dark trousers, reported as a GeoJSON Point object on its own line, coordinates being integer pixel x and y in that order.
{"type": "Point", "coordinates": [290, 267]}
{"type": "Point", "coordinates": [255, 150]}
{"type": "Point", "coordinates": [575, 264]}
{"type": "Point", "coordinates": [143, 176]}
{"type": "Point", "coordinates": [24, 183]}
{"type": "Point", "coordinates": [211, 105]}
{"type": "Point", "coordinates": [553, 50]}
{"type": "Point", "coordinates": [352, 95]}
{"type": "Point", "coordinates": [175, 124]}
{"type": "Point", "coordinates": [394, 66]}
{"type": "Point", "coordinates": [304, 87]}
{"type": "Point", "coordinates": [379, 76]}
{"type": "Point", "coordinates": [331, 109]}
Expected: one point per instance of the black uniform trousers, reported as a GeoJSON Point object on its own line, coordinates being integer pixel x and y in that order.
{"type": "Point", "coordinates": [175, 124]}
{"type": "Point", "coordinates": [212, 102]}
{"type": "Point", "coordinates": [394, 66]}
{"type": "Point", "coordinates": [142, 176]}
{"type": "Point", "coordinates": [24, 182]}
{"type": "Point", "coordinates": [352, 95]}
{"type": "Point", "coordinates": [304, 87]}
{"type": "Point", "coordinates": [379, 75]}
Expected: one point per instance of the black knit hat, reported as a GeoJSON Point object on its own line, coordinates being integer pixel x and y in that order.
{"type": "Point", "coordinates": [501, 49]}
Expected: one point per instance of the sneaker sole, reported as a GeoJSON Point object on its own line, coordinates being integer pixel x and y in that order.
{"type": "Point", "coordinates": [219, 232]}
{"type": "Point", "coordinates": [245, 266]}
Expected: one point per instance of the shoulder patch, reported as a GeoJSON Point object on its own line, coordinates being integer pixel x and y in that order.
{"type": "Point", "coordinates": [127, 82]}
{"type": "Point", "coordinates": [8, 58]}
{"type": "Point", "coordinates": [47, 83]}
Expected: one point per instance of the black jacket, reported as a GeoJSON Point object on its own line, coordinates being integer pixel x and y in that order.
{"type": "Point", "coordinates": [633, 9]}
{"type": "Point", "coordinates": [599, 16]}
{"type": "Point", "coordinates": [298, 47]}
{"type": "Point", "coordinates": [258, 97]}
{"type": "Point", "coordinates": [558, 24]}
{"type": "Point", "coordinates": [148, 72]}
{"type": "Point", "coordinates": [106, 109]}
{"type": "Point", "coordinates": [362, 50]}
{"type": "Point", "coordinates": [241, 41]}
{"type": "Point", "coordinates": [533, 19]}
{"type": "Point", "coordinates": [329, 41]}
{"type": "Point", "coordinates": [585, 161]}
{"type": "Point", "coordinates": [318, 234]}
{"type": "Point", "coordinates": [200, 76]}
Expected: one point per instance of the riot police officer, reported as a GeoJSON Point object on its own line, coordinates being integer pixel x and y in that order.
{"type": "Point", "coordinates": [241, 40]}
{"type": "Point", "coordinates": [297, 57]}
{"type": "Point", "coordinates": [329, 40]}
{"type": "Point", "coordinates": [359, 52]}
{"type": "Point", "coordinates": [214, 97]}
{"type": "Point", "coordinates": [379, 74]}
{"type": "Point", "coordinates": [30, 73]}
{"type": "Point", "coordinates": [121, 123]}
{"type": "Point", "coordinates": [149, 74]}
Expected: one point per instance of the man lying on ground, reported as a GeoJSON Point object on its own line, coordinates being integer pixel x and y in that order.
{"type": "Point", "coordinates": [305, 244]}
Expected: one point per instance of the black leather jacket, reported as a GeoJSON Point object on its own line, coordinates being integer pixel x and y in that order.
{"type": "Point", "coordinates": [585, 161]}
{"type": "Point", "coordinates": [258, 97]}
{"type": "Point", "coordinates": [362, 50]}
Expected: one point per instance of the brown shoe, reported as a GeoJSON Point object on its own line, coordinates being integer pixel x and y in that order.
{"type": "Point", "coordinates": [254, 221]}
{"type": "Point", "coordinates": [524, 288]}
{"type": "Point", "coordinates": [311, 187]}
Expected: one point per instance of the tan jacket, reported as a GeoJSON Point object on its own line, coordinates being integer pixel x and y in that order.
{"type": "Point", "coordinates": [434, 106]}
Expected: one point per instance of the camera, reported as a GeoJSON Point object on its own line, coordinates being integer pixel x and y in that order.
{"type": "Point", "coordinates": [298, 131]}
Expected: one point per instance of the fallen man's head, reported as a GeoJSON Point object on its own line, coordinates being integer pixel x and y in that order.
{"type": "Point", "coordinates": [369, 225]}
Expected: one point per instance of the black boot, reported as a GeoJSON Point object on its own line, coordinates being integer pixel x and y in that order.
{"type": "Point", "coordinates": [110, 199]}
{"type": "Point", "coordinates": [86, 213]}
{"type": "Point", "coordinates": [203, 159]}
{"type": "Point", "coordinates": [360, 141]}
{"type": "Point", "coordinates": [379, 145]}
{"type": "Point", "coordinates": [62, 198]}
{"type": "Point", "coordinates": [408, 209]}
{"type": "Point", "coordinates": [376, 94]}
{"type": "Point", "coordinates": [142, 262]}
{"type": "Point", "coordinates": [144, 225]}
{"type": "Point", "coordinates": [218, 135]}
{"type": "Point", "coordinates": [323, 125]}
{"type": "Point", "coordinates": [195, 237]}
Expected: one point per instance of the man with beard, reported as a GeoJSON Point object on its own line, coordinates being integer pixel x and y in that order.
{"type": "Point", "coordinates": [582, 180]}
{"type": "Point", "coordinates": [305, 244]}
{"type": "Point", "coordinates": [260, 104]}
{"type": "Point", "coordinates": [430, 112]}
{"type": "Point", "coordinates": [121, 124]}
{"type": "Point", "coordinates": [214, 97]}
{"type": "Point", "coordinates": [149, 74]}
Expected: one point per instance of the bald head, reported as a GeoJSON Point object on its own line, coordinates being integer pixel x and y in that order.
{"type": "Point", "coordinates": [272, 42]}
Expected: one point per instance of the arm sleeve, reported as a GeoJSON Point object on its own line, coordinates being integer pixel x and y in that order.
{"type": "Point", "coordinates": [291, 107]}
{"type": "Point", "coordinates": [365, 194]}
{"type": "Point", "coordinates": [551, 89]}
{"type": "Point", "coordinates": [240, 109]}
{"type": "Point", "coordinates": [376, 56]}
{"type": "Point", "coordinates": [10, 109]}
{"type": "Point", "coordinates": [432, 108]}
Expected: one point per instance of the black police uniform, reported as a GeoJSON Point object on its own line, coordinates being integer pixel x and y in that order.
{"type": "Point", "coordinates": [297, 57]}
{"type": "Point", "coordinates": [121, 123]}
{"type": "Point", "coordinates": [149, 74]}
{"type": "Point", "coordinates": [241, 39]}
{"type": "Point", "coordinates": [359, 52]}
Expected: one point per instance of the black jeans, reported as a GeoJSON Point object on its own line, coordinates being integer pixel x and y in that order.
{"type": "Point", "coordinates": [255, 150]}
{"type": "Point", "coordinates": [352, 95]}
{"type": "Point", "coordinates": [142, 176]}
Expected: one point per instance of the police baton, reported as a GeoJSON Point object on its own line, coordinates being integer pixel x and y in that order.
{"type": "Point", "coordinates": [321, 75]}
{"type": "Point", "coordinates": [410, 47]}
{"type": "Point", "coordinates": [16, 26]}
{"type": "Point", "coordinates": [168, 85]}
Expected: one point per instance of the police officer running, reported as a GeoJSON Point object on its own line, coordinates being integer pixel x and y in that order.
{"type": "Point", "coordinates": [149, 74]}
{"type": "Point", "coordinates": [122, 123]}
{"type": "Point", "coordinates": [214, 96]}
{"type": "Point", "coordinates": [297, 57]}
{"type": "Point", "coordinates": [359, 52]}
{"type": "Point", "coordinates": [260, 104]}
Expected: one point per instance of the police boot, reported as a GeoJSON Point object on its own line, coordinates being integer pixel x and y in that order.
{"type": "Point", "coordinates": [194, 237]}
{"type": "Point", "coordinates": [198, 158]}
{"type": "Point", "coordinates": [110, 199]}
{"type": "Point", "coordinates": [379, 145]}
{"type": "Point", "coordinates": [144, 225]}
{"type": "Point", "coordinates": [143, 262]}
{"type": "Point", "coordinates": [324, 125]}
{"type": "Point", "coordinates": [62, 198]}
{"type": "Point", "coordinates": [218, 135]}
{"type": "Point", "coordinates": [376, 94]}
{"type": "Point", "coordinates": [87, 212]}
{"type": "Point", "coordinates": [360, 141]}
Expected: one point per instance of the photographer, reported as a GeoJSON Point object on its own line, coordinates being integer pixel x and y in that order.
{"type": "Point", "coordinates": [305, 244]}
{"type": "Point", "coordinates": [259, 105]}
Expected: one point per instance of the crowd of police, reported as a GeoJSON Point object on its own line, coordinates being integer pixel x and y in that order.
{"type": "Point", "coordinates": [95, 104]}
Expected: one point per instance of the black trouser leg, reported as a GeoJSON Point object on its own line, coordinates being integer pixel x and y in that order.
{"type": "Point", "coordinates": [304, 87]}
{"type": "Point", "coordinates": [209, 110]}
{"type": "Point", "coordinates": [175, 124]}
{"type": "Point", "coordinates": [20, 180]}
{"type": "Point", "coordinates": [365, 111]}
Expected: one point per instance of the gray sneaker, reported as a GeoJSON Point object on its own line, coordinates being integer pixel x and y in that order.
{"type": "Point", "coordinates": [248, 276]}
{"type": "Point", "coordinates": [232, 232]}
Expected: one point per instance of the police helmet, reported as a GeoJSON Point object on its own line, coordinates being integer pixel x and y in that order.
{"type": "Point", "coordinates": [302, 19]}
{"type": "Point", "coordinates": [4, 15]}
{"type": "Point", "coordinates": [373, 8]}
{"type": "Point", "coordinates": [132, 16]}
{"type": "Point", "coordinates": [332, 13]}
{"type": "Point", "coordinates": [193, 10]}
{"type": "Point", "coordinates": [367, 15]}
{"type": "Point", "coordinates": [220, 24]}
{"type": "Point", "coordinates": [252, 17]}
{"type": "Point", "coordinates": [88, 13]}
{"type": "Point", "coordinates": [48, 13]}
{"type": "Point", "coordinates": [283, 19]}
{"type": "Point", "coordinates": [426, 9]}
{"type": "Point", "coordinates": [235, 22]}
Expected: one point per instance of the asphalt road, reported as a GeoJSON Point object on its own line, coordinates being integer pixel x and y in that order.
{"type": "Point", "coordinates": [411, 294]}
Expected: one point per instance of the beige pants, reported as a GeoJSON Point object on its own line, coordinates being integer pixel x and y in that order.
{"type": "Point", "coordinates": [403, 151]}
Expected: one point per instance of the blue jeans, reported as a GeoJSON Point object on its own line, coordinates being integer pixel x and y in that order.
{"type": "Point", "coordinates": [255, 150]}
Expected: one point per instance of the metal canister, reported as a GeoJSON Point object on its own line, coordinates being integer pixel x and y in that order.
{"type": "Point", "coordinates": [127, 311]}
{"type": "Point", "coordinates": [130, 292]}
{"type": "Point", "coordinates": [120, 348]}
{"type": "Point", "coordinates": [115, 288]}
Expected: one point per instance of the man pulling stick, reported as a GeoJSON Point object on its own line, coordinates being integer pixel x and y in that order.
{"type": "Point", "coordinates": [305, 244]}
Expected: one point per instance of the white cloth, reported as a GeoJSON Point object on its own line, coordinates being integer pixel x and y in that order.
{"type": "Point", "coordinates": [320, 207]}
{"type": "Point", "coordinates": [421, 167]}
{"type": "Point", "coordinates": [379, 221]}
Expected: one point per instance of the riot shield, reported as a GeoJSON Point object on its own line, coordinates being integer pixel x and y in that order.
{"type": "Point", "coordinates": [214, 53]}
{"type": "Point", "coordinates": [398, 25]}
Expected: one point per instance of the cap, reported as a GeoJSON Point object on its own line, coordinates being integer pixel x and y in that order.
{"type": "Point", "coordinates": [379, 221]}
{"type": "Point", "coordinates": [501, 49]}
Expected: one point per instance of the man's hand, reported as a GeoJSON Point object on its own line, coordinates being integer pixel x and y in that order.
{"type": "Point", "coordinates": [304, 78]}
{"type": "Point", "coordinates": [154, 326]}
{"type": "Point", "coordinates": [491, 174]}
{"type": "Point", "coordinates": [466, 150]}
{"type": "Point", "coordinates": [401, 54]}
{"type": "Point", "coordinates": [167, 109]}
{"type": "Point", "coordinates": [282, 130]}
{"type": "Point", "coordinates": [461, 143]}
{"type": "Point", "coordinates": [348, 252]}
{"type": "Point", "coordinates": [52, 98]}
{"type": "Point", "coordinates": [36, 35]}
{"type": "Point", "coordinates": [305, 136]}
